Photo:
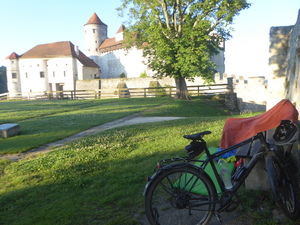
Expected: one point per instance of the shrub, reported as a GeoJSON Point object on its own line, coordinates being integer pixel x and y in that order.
{"type": "Point", "coordinates": [143, 74]}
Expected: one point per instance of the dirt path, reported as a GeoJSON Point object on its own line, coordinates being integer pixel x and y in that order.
{"type": "Point", "coordinates": [128, 120]}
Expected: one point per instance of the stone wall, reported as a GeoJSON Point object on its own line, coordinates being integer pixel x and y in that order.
{"type": "Point", "coordinates": [284, 64]}
{"type": "Point", "coordinates": [251, 92]}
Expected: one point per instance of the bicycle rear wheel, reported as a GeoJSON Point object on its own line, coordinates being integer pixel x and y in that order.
{"type": "Point", "coordinates": [180, 196]}
{"type": "Point", "coordinates": [283, 187]}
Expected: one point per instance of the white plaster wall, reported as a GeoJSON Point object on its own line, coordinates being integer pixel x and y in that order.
{"type": "Point", "coordinates": [30, 75]}
{"type": "Point", "coordinates": [57, 70]}
{"type": "Point", "coordinates": [94, 35]}
{"type": "Point", "coordinates": [13, 84]}
{"type": "Point", "coordinates": [114, 63]}
{"type": "Point", "coordinates": [90, 73]}
{"type": "Point", "coordinates": [62, 71]}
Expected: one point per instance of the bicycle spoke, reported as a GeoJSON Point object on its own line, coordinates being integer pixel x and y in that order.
{"type": "Point", "coordinates": [172, 199]}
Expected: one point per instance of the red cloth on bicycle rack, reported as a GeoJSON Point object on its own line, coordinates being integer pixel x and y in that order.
{"type": "Point", "coordinates": [237, 130]}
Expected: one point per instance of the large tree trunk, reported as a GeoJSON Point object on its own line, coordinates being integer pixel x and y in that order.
{"type": "Point", "coordinates": [181, 89]}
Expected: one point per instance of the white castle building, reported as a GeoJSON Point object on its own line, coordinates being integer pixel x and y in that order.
{"type": "Point", "coordinates": [109, 53]}
{"type": "Point", "coordinates": [113, 59]}
{"type": "Point", "coordinates": [49, 67]}
{"type": "Point", "coordinates": [57, 66]}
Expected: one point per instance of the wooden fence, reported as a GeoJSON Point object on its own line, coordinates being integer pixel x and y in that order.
{"type": "Point", "coordinates": [196, 90]}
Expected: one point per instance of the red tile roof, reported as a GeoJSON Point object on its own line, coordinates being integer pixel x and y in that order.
{"type": "Point", "coordinates": [13, 56]}
{"type": "Point", "coordinates": [110, 44]}
{"type": "Point", "coordinates": [58, 49]}
{"type": "Point", "coordinates": [95, 20]}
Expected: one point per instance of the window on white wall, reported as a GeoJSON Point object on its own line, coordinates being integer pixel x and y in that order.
{"type": "Point", "coordinates": [42, 74]}
{"type": "Point", "coordinates": [53, 74]}
{"type": "Point", "coordinates": [14, 75]}
{"type": "Point", "coordinates": [26, 75]}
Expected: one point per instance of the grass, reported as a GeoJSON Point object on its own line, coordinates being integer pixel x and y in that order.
{"type": "Point", "coordinates": [100, 179]}
{"type": "Point", "coordinates": [48, 121]}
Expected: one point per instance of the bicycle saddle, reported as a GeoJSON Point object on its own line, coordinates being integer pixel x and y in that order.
{"type": "Point", "coordinates": [198, 136]}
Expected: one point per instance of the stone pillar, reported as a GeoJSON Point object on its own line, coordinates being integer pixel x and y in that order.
{"type": "Point", "coordinates": [230, 84]}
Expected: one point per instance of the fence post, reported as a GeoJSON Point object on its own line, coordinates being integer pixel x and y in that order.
{"type": "Point", "coordinates": [230, 84]}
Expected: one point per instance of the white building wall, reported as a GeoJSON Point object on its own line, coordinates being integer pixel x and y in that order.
{"type": "Point", "coordinates": [61, 71]}
{"type": "Point", "coordinates": [30, 78]}
{"type": "Point", "coordinates": [56, 71]}
{"type": "Point", "coordinates": [13, 84]}
{"type": "Point", "coordinates": [114, 63]}
{"type": "Point", "coordinates": [90, 73]}
{"type": "Point", "coordinates": [95, 34]}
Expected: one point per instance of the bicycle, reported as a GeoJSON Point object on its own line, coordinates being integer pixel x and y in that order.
{"type": "Point", "coordinates": [181, 191]}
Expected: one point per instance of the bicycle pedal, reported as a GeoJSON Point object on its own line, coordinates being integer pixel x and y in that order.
{"type": "Point", "coordinates": [219, 217]}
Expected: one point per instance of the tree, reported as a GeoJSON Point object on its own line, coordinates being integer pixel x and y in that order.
{"type": "Point", "coordinates": [179, 37]}
{"type": "Point", "coordinates": [3, 82]}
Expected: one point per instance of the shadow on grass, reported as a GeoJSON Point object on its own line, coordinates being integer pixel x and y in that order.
{"type": "Point", "coordinates": [97, 180]}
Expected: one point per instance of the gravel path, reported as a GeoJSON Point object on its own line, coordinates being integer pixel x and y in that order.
{"type": "Point", "coordinates": [128, 120]}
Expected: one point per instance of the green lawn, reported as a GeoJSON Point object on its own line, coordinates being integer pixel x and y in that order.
{"type": "Point", "coordinates": [47, 121]}
{"type": "Point", "coordinates": [98, 179]}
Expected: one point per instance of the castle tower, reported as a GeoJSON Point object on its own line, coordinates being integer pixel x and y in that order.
{"type": "Point", "coordinates": [13, 73]}
{"type": "Point", "coordinates": [95, 32]}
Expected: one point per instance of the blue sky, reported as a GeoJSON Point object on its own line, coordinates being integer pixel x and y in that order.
{"type": "Point", "coordinates": [25, 24]}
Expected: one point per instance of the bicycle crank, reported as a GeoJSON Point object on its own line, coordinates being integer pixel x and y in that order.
{"type": "Point", "coordinates": [229, 201]}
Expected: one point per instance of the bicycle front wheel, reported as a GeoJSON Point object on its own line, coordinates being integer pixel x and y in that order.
{"type": "Point", "coordinates": [182, 195]}
{"type": "Point", "coordinates": [283, 187]}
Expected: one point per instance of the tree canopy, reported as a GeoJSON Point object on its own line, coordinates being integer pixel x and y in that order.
{"type": "Point", "coordinates": [3, 82]}
{"type": "Point", "coordinates": [179, 37]}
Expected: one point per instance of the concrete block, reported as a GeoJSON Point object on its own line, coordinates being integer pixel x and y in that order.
{"type": "Point", "coordinates": [9, 129]}
{"type": "Point", "coordinates": [258, 178]}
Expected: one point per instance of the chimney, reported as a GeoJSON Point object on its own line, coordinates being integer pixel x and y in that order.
{"type": "Point", "coordinates": [76, 49]}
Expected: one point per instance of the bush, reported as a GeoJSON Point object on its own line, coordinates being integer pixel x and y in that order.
{"type": "Point", "coordinates": [159, 91]}
{"type": "Point", "coordinates": [143, 75]}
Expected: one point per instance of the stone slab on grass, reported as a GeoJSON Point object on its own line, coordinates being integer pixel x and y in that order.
{"type": "Point", "coordinates": [9, 129]}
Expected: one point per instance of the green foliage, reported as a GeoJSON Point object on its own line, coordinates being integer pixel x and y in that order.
{"type": "Point", "coordinates": [181, 36]}
{"type": "Point", "coordinates": [122, 75]}
{"type": "Point", "coordinates": [3, 80]}
{"type": "Point", "coordinates": [143, 75]}
{"type": "Point", "coordinates": [123, 92]}
{"type": "Point", "coordinates": [158, 91]}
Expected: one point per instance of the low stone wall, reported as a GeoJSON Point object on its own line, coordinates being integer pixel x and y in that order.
{"type": "Point", "coordinates": [251, 93]}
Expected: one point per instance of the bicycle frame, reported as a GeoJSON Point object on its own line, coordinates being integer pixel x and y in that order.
{"type": "Point", "coordinates": [247, 169]}
{"type": "Point", "coordinates": [210, 159]}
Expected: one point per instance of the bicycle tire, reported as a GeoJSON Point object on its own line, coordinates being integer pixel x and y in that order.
{"type": "Point", "coordinates": [283, 187]}
{"type": "Point", "coordinates": [172, 195]}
